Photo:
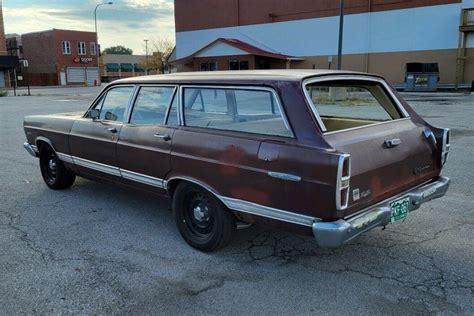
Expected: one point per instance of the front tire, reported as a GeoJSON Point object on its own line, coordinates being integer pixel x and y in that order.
{"type": "Point", "coordinates": [54, 173]}
{"type": "Point", "coordinates": [202, 220]}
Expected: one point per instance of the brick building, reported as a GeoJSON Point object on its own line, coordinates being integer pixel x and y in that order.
{"type": "Point", "coordinates": [7, 63]}
{"type": "Point", "coordinates": [61, 57]}
{"type": "Point", "coordinates": [379, 36]}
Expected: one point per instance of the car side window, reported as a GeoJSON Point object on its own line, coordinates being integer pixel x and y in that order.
{"type": "Point", "coordinates": [151, 105]}
{"type": "Point", "coordinates": [114, 103]}
{"type": "Point", "coordinates": [244, 110]}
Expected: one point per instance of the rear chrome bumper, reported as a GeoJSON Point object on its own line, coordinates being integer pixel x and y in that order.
{"type": "Point", "coordinates": [337, 233]}
{"type": "Point", "coordinates": [31, 149]}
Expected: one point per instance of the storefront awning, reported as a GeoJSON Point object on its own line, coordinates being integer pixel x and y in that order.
{"type": "Point", "coordinates": [8, 61]}
{"type": "Point", "coordinates": [126, 67]}
{"type": "Point", "coordinates": [112, 67]}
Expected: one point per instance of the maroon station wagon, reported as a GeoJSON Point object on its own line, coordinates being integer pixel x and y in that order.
{"type": "Point", "coordinates": [326, 153]}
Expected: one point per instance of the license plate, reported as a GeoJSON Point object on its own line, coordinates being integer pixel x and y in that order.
{"type": "Point", "coordinates": [399, 209]}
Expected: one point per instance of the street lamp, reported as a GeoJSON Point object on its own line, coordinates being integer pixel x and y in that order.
{"type": "Point", "coordinates": [95, 20]}
{"type": "Point", "coordinates": [146, 56]}
{"type": "Point", "coordinates": [341, 32]}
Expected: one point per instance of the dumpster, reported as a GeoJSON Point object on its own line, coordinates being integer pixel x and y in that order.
{"type": "Point", "coordinates": [421, 77]}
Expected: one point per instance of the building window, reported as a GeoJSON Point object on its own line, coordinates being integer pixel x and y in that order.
{"type": "Point", "coordinates": [238, 65]}
{"type": "Point", "coordinates": [66, 46]}
{"type": "Point", "coordinates": [93, 49]}
{"type": "Point", "coordinates": [208, 66]}
{"type": "Point", "coordinates": [81, 48]}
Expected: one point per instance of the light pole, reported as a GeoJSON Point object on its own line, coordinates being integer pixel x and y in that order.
{"type": "Point", "coordinates": [146, 56]}
{"type": "Point", "coordinates": [95, 21]}
{"type": "Point", "coordinates": [341, 32]}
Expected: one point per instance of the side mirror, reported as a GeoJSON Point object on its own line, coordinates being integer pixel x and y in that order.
{"type": "Point", "coordinates": [94, 114]}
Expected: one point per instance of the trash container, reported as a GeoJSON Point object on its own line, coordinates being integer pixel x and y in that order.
{"type": "Point", "coordinates": [421, 77]}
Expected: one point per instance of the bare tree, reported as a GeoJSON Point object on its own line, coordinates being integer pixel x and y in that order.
{"type": "Point", "coordinates": [159, 51]}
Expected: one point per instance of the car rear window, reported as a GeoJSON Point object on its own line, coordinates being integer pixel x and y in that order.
{"type": "Point", "coordinates": [348, 104]}
{"type": "Point", "coordinates": [243, 110]}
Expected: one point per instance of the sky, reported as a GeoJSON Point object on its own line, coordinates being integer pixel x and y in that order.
{"type": "Point", "coordinates": [126, 22]}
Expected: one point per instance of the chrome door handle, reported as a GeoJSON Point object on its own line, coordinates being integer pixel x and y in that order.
{"type": "Point", "coordinates": [390, 143]}
{"type": "Point", "coordinates": [164, 137]}
{"type": "Point", "coordinates": [111, 129]}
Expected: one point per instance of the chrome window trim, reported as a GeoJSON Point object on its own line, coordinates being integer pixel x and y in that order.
{"type": "Point", "coordinates": [135, 96]}
{"type": "Point", "coordinates": [253, 88]}
{"type": "Point", "coordinates": [387, 88]}
{"type": "Point", "coordinates": [105, 91]}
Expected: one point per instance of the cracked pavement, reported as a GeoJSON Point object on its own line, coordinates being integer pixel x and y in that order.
{"type": "Point", "coordinates": [102, 249]}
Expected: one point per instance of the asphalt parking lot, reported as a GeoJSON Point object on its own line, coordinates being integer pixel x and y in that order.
{"type": "Point", "coordinates": [100, 249]}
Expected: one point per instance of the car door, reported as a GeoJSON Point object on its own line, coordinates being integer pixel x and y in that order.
{"type": "Point", "coordinates": [93, 141]}
{"type": "Point", "coordinates": [236, 141]}
{"type": "Point", "coordinates": [144, 145]}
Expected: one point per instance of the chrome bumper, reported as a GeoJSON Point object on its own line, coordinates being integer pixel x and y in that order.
{"type": "Point", "coordinates": [31, 149]}
{"type": "Point", "coordinates": [337, 233]}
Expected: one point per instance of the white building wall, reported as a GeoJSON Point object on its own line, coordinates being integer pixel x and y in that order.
{"type": "Point", "coordinates": [416, 29]}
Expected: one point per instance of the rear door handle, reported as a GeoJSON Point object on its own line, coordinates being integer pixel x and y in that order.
{"type": "Point", "coordinates": [111, 129]}
{"type": "Point", "coordinates": [164, 137]}
{"type": "Point", "coordinates": [390, 143]}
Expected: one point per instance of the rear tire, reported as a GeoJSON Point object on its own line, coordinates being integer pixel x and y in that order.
{"type": "Point", "coordinates": [55, 174]}
{"type": "Point", "coordinates": [203, 221]}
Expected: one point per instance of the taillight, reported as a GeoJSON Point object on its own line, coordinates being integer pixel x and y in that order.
{"type": "Point", "coordinates": [343, 181]}
{"type": "Point", "coordinates": [446, 145]}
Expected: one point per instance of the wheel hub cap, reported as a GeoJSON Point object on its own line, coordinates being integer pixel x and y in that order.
{"type": "Point", "coordinates": [201, 214]}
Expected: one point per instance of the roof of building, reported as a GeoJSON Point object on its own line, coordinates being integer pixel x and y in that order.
{"type": "Point", "coordinates": [238, 76]}
{"type": "Point", "coordinates": [241, 45]}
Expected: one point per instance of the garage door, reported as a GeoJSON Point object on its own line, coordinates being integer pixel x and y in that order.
{"type": "Point", "coordinates": [92, 76]}
{"type": "Point", "coordinates": [76, 75]}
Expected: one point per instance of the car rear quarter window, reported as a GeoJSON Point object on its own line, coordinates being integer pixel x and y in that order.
{"type": "Point", "coordinates": [244, 110]}
{"type": "Point", "coordinates": [347, 104]}
{"type": "Point", "coordinates": [114, 103]}
{"type": "Point", "coordinates": [151, 105]}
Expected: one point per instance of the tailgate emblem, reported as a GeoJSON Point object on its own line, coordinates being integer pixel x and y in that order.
{"type": "Point", "coordinates": [420, 169]}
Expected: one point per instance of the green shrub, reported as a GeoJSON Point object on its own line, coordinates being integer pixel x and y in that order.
{"type": "Point", "coordinates": [3, 93]}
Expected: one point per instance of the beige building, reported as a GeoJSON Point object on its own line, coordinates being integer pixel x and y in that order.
{"type": "Point", "coordinates": [115, 66]}
{"type": "Point", "coordinates": [379, 36]}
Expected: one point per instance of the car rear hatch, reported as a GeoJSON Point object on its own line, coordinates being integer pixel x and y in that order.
{"type": "Point", "coordinates": [380, 170]}
{"type": "Point", "coordinates": [388, 152]}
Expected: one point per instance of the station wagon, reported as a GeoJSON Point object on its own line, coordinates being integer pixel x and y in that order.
{"type": "Point", "coordinates": [330, 154]}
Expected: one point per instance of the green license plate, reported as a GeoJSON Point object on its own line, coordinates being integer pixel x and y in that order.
{"type": "Point", "coordinates": [399, 209]}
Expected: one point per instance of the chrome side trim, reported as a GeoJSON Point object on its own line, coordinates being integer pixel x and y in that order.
{"type": "Point", "coordinates": [96, 166]}
{"type": "Point", "coordinates": [138, 177]}
{"type": "Point", "coordinates": [269, 212]}
{"type": "Point", "coordinates": [284, 176]}
{"type": "Point", "coordinates": [65, 158]}
{"type": "Point", "coordinates": [350, 77]}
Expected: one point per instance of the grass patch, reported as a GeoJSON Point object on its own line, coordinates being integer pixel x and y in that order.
{"type": "Point", "coordinates": [3, 93]}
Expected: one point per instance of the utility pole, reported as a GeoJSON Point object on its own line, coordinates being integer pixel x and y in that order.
{"type": "Point", "coordinates": [146, 56]}
{"type": "Point", "coordinates": [341, 33]}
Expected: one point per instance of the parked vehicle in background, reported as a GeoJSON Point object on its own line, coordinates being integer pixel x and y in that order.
{"type": "Point", "coordinates": [326, 153]}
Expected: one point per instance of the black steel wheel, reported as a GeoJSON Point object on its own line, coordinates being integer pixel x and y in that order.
{"type": "Point", "coordinates": [203, 221]}
{"type": "Point", "coordinates": [55, 174]}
